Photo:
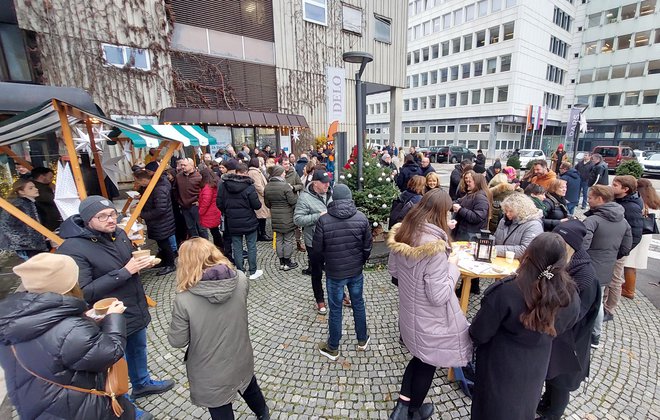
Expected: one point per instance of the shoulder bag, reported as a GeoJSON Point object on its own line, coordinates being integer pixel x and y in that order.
{"type": "Point", "coordinates": [116, 383]}
{"type": "Point", "coordinates": [650, 225]}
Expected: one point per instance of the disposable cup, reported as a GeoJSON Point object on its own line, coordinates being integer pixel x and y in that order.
{"type": "Point", "coordinates": [141, 253]}
{"type": "Point", "coordinates": [510, 255]}
{"type": "Point", "coordinates": [101, 307]}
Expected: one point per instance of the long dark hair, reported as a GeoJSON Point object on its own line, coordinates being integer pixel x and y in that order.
{"type": "Point", "coordinates": [479, 185]}
{"type": "Point", "coordinates": [208, 178]}
{"type": "Point", "coordinates": [432, 209]}
{"type": "Point", "coordinates": [544, 283]}
{"type": "Point", "coordinates": [648, 194]}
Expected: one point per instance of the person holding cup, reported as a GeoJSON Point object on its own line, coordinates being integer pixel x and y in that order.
{"type": "Point", "coordinates": [107, 268]}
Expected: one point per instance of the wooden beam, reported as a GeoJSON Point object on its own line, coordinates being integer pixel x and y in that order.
{"type": "Point", "coordinates": [97, 159]}
{"type": "Point", "coordinates": [71, 150]}
{"type": "Point", "coordinates": [17, 213]}
{"type": "Point", "coordinates": [7, 150]}
{"type": "Point", "coordinates": [171, 147]}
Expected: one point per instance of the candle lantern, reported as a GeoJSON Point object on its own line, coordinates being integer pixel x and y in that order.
{"type": "Point", "coordinates": [485, 244]}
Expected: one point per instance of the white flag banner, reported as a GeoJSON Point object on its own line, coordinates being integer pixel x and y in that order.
{"type": "Point", "coordinates": [66, 193]}
{"type": "Point", "coordinates": [335, 94]}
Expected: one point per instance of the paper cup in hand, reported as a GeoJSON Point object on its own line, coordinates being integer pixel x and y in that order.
{"type": "Point", "coordinates": [510, 255]}
{"type": "Point", "coordinates": [101, 307]}
{"type": "Point", "coordinates": [141, 253]}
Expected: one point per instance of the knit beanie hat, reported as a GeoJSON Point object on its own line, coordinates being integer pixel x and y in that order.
{"type": "Point", "coordinates": [276, 170]}
{"type": "Point", "coordinates": [573, 232]}
{"type": "Point", "coordinates": [46, 272]}
{"type": "Point", "coordinates": [341, 192]}
{"type": "Point", "coordinates": [92, 205]}
{"type": "Point", "coordinates": [497, 164]}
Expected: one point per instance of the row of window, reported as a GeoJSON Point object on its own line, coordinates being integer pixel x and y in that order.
{"type": "Point", "coordinates": [552, 100]}
{"type": "Point", "coordinates": [473, 145]}
{"type": "Point", "coordinates": [555, 74]}
{"type": "Point", "coordinates": [464, 43]}
{"type": "Point", "coordinates": [619, 72]}
{"type": "Point", "coordinates": [465, 70]}
{"type": "Point", "coordinates": [629, 11]}
{"type": "Point", "coordinates": [562, 19]}
{"type": "Point", "coordinates": [622, 42]}
{"type": "Point", "coordinates": [472, 97]}
{"type": "Point", "coordinates": [558, 47]}
{"type": "Point", "coordinates": [316, 11]}
{"type": "Point", "coordinates": [457, 17]}
{"type": "Point", "coordinates": [379, 108]}
{"type": "Point", "coordinates": [648, 97]}
{"type": "Point", "coordinates": [463, 128]}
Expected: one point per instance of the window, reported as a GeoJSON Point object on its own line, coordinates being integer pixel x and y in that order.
{"type": "Point", "coordinates": [494, 35]}
{"type": "Point", "coordinates": [505, 62]}
{"type": "Point", "coordinates": [481, 38]}
{"type": "Point", "coordinates": [315, 11]}
{"type": "Point", "coordinates": [351, 19]}
{"type": "Point", "coordinates": [407, 82]}
{"type": "Point", "coordinates": [650, 97]}
{"type": "Point", "coordinates": [602, 73]}
{"type": "Point", "coordinates": [120, 56]}
{"type": "Point", "coordinates": [618, 72]}
{"type": "Point", "coordinates": [442, 129]}
{"type": "Point", "coordinates": [647, 7]}
{"type": "Point", "coordinates": [451, 128]}
{"type": "Point", "coordinates": [422, 103]}
{"type": "Point", "coordinates": [507, 31]}
{"type": "Point", "coordinates": [554, 74]}
{"type": "Point", "coordinates": [463, 128]}
{"type": "Point", "coordinates": [425, 54]}
{"type": "Point", "coordinates": [594, 20]}
{"type": "Point", "coordinates": [454, 72]}
{"type": "Point", "coordinates": [614, 99]}
{"type": "Point", "coordinates": [478, 68]}
{"type": "Point", "coordinates": [586, 76]}
{"type": "Point", "coordinates": [458, 17]}
{"type": "Point", "coordinates": [437, 24]}
{"type": "Point", "coordinates": [445, 48]}
{"type": "Point", "coordinates": [607, 45]}
{"type": "Point", "coordinates": [464, 98]}
{"type": "Point", "coordinates": [562, 19]}
{"type": "Point", "coordinates": [432, 102]}
{"type": "Point", "coordinates": [590, 48]}
{"type": "Point", "coordinates": [424, 79]}
{"type": "Point", "coordinates": [406, 105]}
{"type": "Point", "coordinates": [446, 21]}
{"type": "Point", "coordinates": [442, 100]}
{"type": "Point", "coordinates": [558, 47]}
{"type": "Point", "coordinates": [409, 59]}
{"type": "Point", "coordinates": [489, 95]}
{"type": "Point", "coordinates": [413, 104]}
{"type": "Point", "coordinates": [435, 51]}
{"type": "Point", "coordinates": [14, 61]}
{"type": "Point", "coordinates": [491, 65]}
{"type": "Point", "coordinates": [502, 93]}
{"type": "Point", "coordinates": [416, 57]}
{"type": "Point", "coordinates": [654, 67]}
{"type": "Point", "coordinates": [642, 38]}
{"type": "Point", "coordinates": [632, 98]}
{"type": "Point", "coordinates": [636, 70]}
{"type": "Point", "coordinates": [382, 29]}
{"type": "Point", "coordinates": [426, 28]}
{"type": "Point", "coordinates": [623, 42]}
{"type": "Point", "coordinates": [443, 75]}
{"type": "Point", "coordinates": [370, 110]}
{"type": "Point", "coordinates": [496, 5]}
{"type": "Point", "coordinates": [469, 12]}
{"type": "Point", "coordinates": [612, 15]}
{"type": "Point", "coordinates": [452, 99]}
{"type": "Point", "coordinates": [418, 31]}
{"type": "Point", "coordinates": [385, 108]}
{"type": "Point", "coordinates": [476, 96]}
{"type": "Point", "coordinates": [456, 45]}
{"type": "Point", "coordinates": [552, 101]}
{"type": "Point", "coordinates": [433, 79]}
{"type": "Point", "coordinates": [628, 11]}
{"type": "Point", "coordinates": [467, 41]}
{"type": "Point", "coordinates": [414, 80]}
{"type": "Point", "coordinates": [657, 36]}
{"type": "Point", "coordinates": [473, 128]}
{"type": "Point", "coordinates": [482, 8]}
{"type": "Point", "coordinates": [599, 101]}
{"type": "Point", "coordinates": [465, 70]}
{"type": "Point", "coordinates": [485, 128]}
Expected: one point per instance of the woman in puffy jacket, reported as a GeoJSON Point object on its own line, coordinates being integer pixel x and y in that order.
{"type": "Point", "coordinates": [473, 210]}
{"type": "Point", "coordinates": [15, 235]}
{"type": "Point", "coordinates": [209, 214]}
{"type": "Point", "coordinates": [45, 332]}
{"type": "Point", "coordinates": [431, 321]}
{"type": "Point", "coordinates": [407, 199]}
{"type": "Point", "coordinates": [555, 204]}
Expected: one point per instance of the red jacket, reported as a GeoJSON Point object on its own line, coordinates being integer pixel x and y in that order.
{"type": "Point", "coordinates": [209, 214]}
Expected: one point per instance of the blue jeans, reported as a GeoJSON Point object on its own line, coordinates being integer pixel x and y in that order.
{"type": "Point", "coordinates": [237, 251]}
{"type": "Point", "coordinates": [571, 208]}
{"type": "Point", "coordinates": [136, 358]}
{"type": "Point", "coordinates": [584, 189]}
{"type": "Point", "coordinates": [335, 302]}
{"type": "Point", "coordinates": [172, 241]}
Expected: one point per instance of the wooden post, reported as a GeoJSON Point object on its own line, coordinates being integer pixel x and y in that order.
{"type": "Point", "coordinates": [71, 150]}
{"type": "Point", "coordinates": [97, 159]}
{"type": "Point", "coordinates": [172, 146]}
{"type": "Point", "coordinates": [7, 150]}
{"type": "Point", "coordinates": [17, 213]}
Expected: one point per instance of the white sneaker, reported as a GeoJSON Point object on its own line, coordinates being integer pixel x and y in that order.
{"type": "Point", "coordinates": [256, 275]}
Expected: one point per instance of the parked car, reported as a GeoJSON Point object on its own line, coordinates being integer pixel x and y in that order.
{"type": "Point", "coordinates": [614, 155]}
{"type": "Point", "coordinates": [651, 164]}
{"type": "Point", "coordinates": [647, 153]}
{"type": "Point", "coordinates": [450, 154]}
{"type": "Point", "coordinates": [639, 154]}
{"type": "Point", "coordinates": [528, 155]}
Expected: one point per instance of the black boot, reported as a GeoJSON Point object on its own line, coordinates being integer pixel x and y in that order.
{"type": "Point", "coordinates": [400, 412]}
{"type": "Point", "coordinates": [290, 264]}
{"type": "Point", "coordinates": [282, 263]}
{"type": "Point", "coordinates": [544, 404]}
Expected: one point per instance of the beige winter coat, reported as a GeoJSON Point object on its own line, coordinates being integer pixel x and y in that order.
{"type": "Point", "coordinates": [260, 185]}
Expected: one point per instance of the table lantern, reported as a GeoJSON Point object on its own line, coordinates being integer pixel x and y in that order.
{"type": "Point", "coordinates": [485, 244]}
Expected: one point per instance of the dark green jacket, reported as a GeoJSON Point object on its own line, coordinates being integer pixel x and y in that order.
{"type": "Point", "coordinates": [294, 180]}
{"type": "Point", "coordinates": [281, 200]}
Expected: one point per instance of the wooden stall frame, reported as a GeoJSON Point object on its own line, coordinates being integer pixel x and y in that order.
{"type": "Point", "coordinates": [97, 160]}
{"type": "Point", "coordinates": [17, 213]}
{"type": "Point", "coordinates": [7, 150]}
{"type": "Point", "coordinates": [71, 148]}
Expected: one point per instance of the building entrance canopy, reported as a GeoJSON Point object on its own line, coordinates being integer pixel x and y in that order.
{"type": "Point", "coordinates": [231, 118]}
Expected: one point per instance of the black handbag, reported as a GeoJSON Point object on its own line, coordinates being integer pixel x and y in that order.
{"type": "Point", "coordinates": [650, 226]}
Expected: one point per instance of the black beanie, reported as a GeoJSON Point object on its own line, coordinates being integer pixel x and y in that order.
{"type": "Point", "coordinates": [573, 232]}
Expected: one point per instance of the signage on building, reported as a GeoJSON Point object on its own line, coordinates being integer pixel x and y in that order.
{"type": "Point", "coordinates": [336, 94]}
{"type": "Point", "coordinates": [571, 125]}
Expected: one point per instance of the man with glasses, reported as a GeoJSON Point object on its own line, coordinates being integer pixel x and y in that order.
{"type": "Point", "coordinates": [107, 268]}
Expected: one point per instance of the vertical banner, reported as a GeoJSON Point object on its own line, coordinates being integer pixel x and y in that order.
{"type": "Point", "coordinates": [336, 94]}
{"type": "Point", "coordinates": [537, 126]}
{"type": "Point", "coordinates": [571, 125]}
{"type": "Point", "coordinates": [529, 118]}
{"type": "Point", "coordinates": [545, 118]}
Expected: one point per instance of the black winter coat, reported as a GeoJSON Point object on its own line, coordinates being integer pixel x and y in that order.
{"type": "Point", "coordinates": [237, 200]}
{"type": "Point", "coordinates": [633, 206]}
{"type": "Point", "coordinates": [427, 170]}
{"type": "Point", "coordinates": [406, 172]}
{"type": "Point", "coordinates": [16, 235]}
{"type": "Point", "coordinates": [48, 212]}
{"type": "Point", "coordinates": [54, 340]}
{"type": "Point", "coordinates": [472, 216]}
{"type": "Point", "coordinates": [158, 213]}
{"type": "Point", "coordinates": [555, 211]}
{"type": "Point", "coordinates": [101, 262]}
{"type": "Point", "coordinates": [599, 174]}
{"type": "Point", "coordinates": [573, 181]}
{"type": "Point", "coordinates": [402, 205]}
{"type": "Point", "coordinates": [571, 350]}
{"type": "Point", "coordinates": [584, 169]}
{"type": "Point", "coordinates": [342, 240]}
{"type": "Point", "coordinates": [512, 361]}
{"type": "Point", "coordinates": [455, 180]}
{"type": "Point", "coordinates": [300, 165]}
{"type": "Point", "coordinates": [280, 198]}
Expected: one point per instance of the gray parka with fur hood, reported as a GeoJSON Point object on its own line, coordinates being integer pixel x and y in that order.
{"type": "Point", "coordinates": [516, 235]}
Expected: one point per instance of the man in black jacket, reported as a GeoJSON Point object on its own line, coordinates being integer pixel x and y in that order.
{"type": "Point", "coordinates": [238, 200]}
{"type": "Point", "coordinates": [48, 212]}
{"type": "Point", "coordinates": [625, 194]}
{"type": "Point", "coordinates": [107, 268]}
{"type": "Point", "coordinates": [342, 240]}
{"type": "Point", "coordinates": [426, 167]}
{"type": "Point", "coordinates": [456, 176]}
{"type": "Point", "coordinates": [599, 174]}
{"type": "Point", "coordinates": [584, 169]}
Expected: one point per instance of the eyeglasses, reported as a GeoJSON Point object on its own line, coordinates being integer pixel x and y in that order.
{"type": "Point", "coordinates": [105, 217]}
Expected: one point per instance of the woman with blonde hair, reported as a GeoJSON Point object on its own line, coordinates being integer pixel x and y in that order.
{"type": "Point", "coordinates": [555, 204]}
{"type": "Point", "coordinates": [432, 181]}
{"type": "Point", "coordinates": [14, 234]}
{"type": "Point", "coordinates": [209, 316]}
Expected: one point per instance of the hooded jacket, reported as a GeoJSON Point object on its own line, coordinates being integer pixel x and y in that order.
{"type": "Point", "coordinates": [608, 238]}
{"type": "Point", "coordinates": [101, 262]}
{"type": "Point", "coordinates": [431, 321]}
{"type": "Point", "coordinates": [157, 212]}
{"type": "Point", "coordinates": [519, 233]}
{"type": "Point", "coordinates": [573, 181]}
{"type": "Point", "coordinates": [16, 235]}
{"type": "Point", "coordinates": [211, 320]}
{"type": "Point", "coordinates": [308, 211]}
{"type": "Point", "coordinates": [342, 240]}
{"type": "Point", "coordinates": [237, 200]}
{"type": "Point", "coordinates": [53, 339]}
{"type": "Point", "coordinates": [281, 199]}
{"type": "Point", "coordinates": [407, 171]}
{"type": "Point", "coordinates": [633, 207]}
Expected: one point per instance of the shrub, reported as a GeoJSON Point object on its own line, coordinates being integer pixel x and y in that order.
{"type": "Point", "coordinates": [630, 167]}
{"type": "Point", "coordinates": [513, 161]}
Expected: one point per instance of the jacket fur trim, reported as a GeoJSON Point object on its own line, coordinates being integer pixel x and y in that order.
{"type": "Point", "coordinates": [415, 252]}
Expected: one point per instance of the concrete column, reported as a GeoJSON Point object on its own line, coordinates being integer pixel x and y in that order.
{"type": "Point", "coordinates": [396, 110]}
{"type": "Point", "coordinates": [492, 140]}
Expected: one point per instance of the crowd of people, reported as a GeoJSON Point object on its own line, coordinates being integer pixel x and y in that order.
{"type": "Point", "coordinates": [534, 330]}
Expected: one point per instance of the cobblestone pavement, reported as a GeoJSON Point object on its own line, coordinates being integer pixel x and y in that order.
{"type": "Point", "coordinates": [300, 383]}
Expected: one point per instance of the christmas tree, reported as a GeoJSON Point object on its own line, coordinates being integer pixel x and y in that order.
{"type": "Point", "coordinates": [378, 189]}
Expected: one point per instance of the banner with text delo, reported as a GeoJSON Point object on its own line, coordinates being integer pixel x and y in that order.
{"type": "Point", "coordinates": [571, 125]}
{"type": "Point", "coordinates": [336, 94]}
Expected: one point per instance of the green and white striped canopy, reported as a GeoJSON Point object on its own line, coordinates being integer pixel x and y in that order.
{"type": "Point", "coordinates": [189, 135]}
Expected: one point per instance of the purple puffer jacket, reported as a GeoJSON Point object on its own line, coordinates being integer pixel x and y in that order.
{"type": "Point", "coordinates": [431, 321]}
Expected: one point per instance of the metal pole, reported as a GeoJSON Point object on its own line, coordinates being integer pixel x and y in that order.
{"type": "Point", "coordinates": [359, 121]}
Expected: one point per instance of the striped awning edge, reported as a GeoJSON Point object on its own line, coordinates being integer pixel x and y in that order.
{"type": "Point", "coordinates": [188, 135]}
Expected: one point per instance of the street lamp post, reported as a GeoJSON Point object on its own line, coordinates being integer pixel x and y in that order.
{"type": "Point", "coordinates": [363, 59]}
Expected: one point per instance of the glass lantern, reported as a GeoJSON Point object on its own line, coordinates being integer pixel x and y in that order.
{"type": "Point", "coordinates": [485, 244]}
